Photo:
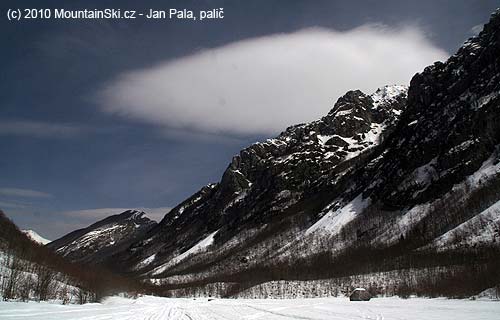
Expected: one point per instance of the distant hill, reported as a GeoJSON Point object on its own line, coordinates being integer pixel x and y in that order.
{"type": "Point", "coordinates": [103, 238]}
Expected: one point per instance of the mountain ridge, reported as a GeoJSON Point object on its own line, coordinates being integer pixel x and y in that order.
{"type": "Point", "coordinates": [373, 186]}
{"type": "Point", "coordinates": [94, 243]}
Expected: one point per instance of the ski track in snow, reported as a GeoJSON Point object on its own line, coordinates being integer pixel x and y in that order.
{"type": "Point", "coordinates": [155, 308]}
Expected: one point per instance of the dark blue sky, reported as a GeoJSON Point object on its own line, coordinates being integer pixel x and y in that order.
{"type": "Point", "coordinates": [60, 153]}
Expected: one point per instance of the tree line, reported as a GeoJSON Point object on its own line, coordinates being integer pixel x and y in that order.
{"type": "Point", "coordinates": [30, 271]}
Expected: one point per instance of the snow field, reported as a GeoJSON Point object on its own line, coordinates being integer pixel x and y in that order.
{"type": "Point", "coordinates": [199, 309]}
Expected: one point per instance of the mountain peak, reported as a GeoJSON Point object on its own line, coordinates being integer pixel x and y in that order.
{"type": "Point", "coordinates": [33, 235]}
{"type": "Point", "coordinates": [383, 96]}
{"type": "Point", "coordinates": [388, 94]}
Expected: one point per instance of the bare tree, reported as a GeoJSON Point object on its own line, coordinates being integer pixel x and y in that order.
{"type": "Point", "coordinates": [11, 281]}
{"type": "Point", "coordinates": [44, 282]}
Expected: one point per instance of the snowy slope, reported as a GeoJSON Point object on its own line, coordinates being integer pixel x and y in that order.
{"type": "Point", "coordinates": [36, 237]}
{"type": "Point", "coordinates": [482, 229]}
{"type": "Point", "coordinates": [334, 220]}
{"type": "Point", "coordinates": [197, 248]}
{"type": "Point", "coordinates": [61, 285]}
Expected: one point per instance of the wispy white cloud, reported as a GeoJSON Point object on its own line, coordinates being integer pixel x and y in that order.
{"type": "Point", "coordinates": [41, 129]}
{"type": "Point", "coordinates": [24, 193]}
{"type": "Point", "coordinates": [262, 85]}
{"type": "Point", "coordinates": [97, 214]}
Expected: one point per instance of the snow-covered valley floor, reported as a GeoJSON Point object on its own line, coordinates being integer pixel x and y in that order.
{"type": "Point", "coordinates": [240, 309]}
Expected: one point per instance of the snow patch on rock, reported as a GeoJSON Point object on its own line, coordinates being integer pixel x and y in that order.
{"type": "Point", "coordinates": [197, 248]}
{"type": "Point", "coordinates": [335, 220]}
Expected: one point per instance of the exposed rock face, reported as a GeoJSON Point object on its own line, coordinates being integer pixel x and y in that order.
{"type": "Point", "coordinates": [103, 238]}
{"type": "Point", "coordinates": [451, 125]}
{"type": "Point", "coordinates": [268, 180]}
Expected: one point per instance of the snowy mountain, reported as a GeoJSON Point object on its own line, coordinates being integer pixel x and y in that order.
{"type": "Point", "coordinates": [274, 177]}
{"type": "Point", "coordinates": [36, 237]}
{"type": "Point", "coordinates": [400, 179]}
{"type": "Point", "coordinates": [101, 239]}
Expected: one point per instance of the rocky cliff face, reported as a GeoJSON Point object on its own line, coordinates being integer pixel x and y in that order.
{"type": "Point", "coordinates": [103, 238]}
{"type": "Point", "coordinates": [272, 180]}
{"type": "Point", "coordinates": [451, 125]}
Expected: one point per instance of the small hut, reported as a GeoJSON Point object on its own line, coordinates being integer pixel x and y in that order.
{"type": "Point", "coordinates": [360, 294]}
